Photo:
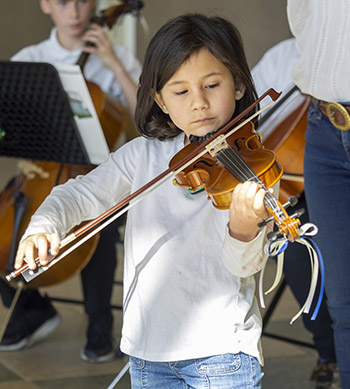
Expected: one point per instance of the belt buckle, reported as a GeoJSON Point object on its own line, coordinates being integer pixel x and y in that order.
{"type": "Point", "coordinates": [332, 109]}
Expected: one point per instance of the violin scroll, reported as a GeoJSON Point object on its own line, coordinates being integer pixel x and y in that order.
{"type": "Point", "coordinates": [287, 224]}
{"type": "Point", "coordinates": [287, 227]}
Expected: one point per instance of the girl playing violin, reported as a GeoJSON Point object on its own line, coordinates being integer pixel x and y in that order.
{"type": "Point", "coordinates": [190, 315]}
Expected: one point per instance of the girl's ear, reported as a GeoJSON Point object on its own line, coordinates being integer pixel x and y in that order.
{"type": "Point", "coordinates": [240, 90]}
{"type": "Point", "coordinates": [158, 99]}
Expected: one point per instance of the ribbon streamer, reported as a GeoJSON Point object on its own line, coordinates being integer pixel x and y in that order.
{"type": "Point", "coordinates": [277, 248]}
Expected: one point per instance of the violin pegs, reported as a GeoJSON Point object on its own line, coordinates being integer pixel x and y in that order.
{"type": "Point", "coordinates": [265, 221]}
{"type": "Point", "coordinates": [298, 213]}
{"type": "Point", "coordinates": [292, 201]}
{"type": "Point", "coordinates": [273, 236]}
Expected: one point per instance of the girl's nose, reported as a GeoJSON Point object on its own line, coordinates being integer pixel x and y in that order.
{"type": "Point", "coordinates": [199, 101]}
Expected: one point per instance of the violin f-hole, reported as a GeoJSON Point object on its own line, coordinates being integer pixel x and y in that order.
{"type": "Point", "coordinates": [204, 162]}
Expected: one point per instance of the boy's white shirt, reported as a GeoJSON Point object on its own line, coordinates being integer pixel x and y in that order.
{"type": "Point", "coordinates": [188, 286]}
{"type": "Point", "coordinates": [52, 52]}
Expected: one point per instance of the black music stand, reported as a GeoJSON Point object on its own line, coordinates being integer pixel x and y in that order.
{"type": "Point", "coordinates": [36, 120]}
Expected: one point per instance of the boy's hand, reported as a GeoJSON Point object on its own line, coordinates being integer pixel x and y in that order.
{"type": "Point", "coordinates": [246, 211]}
{"type": "Point", "coordinates": [45, 246]}
{"type": "Point", "coordinates": [102, 45]}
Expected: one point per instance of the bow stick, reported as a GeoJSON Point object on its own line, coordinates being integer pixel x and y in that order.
{"type": "Point", "coordinates": [124, 205]}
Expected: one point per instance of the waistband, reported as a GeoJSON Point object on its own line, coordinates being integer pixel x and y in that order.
{"type": "Point", "coordinates": [338, 114]}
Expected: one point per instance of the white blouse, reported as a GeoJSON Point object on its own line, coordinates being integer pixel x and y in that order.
{"type": "Point", "coordinates": [189, 288]}
{"type": "Point", "coordinates": [322, 31]}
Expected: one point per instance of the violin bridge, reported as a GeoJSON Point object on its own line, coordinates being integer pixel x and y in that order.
{"type": "Point", "coordinates": [217, 145]}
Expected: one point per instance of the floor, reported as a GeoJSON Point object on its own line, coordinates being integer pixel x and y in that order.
{"type": "Point", "coordinates": [55, 362]}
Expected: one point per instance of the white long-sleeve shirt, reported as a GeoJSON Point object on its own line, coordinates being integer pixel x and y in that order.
{"type": "Point", "coordinates": [274, 71]}
{"type": "Point", "coordinates": [322, 32]}
{"type": "Point", "coordinates": [188, 286]}
{"type": "Point", "coordinates": [52, 52]}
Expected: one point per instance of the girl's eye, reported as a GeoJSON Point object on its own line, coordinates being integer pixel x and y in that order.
{"type": "Point", "coordinates": [180, 92]}
{"type": "Point", "coordinates": [211, 86]}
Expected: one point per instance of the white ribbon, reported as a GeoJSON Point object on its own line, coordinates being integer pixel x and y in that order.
{"type": "Point", "coordinates": [277, 249]}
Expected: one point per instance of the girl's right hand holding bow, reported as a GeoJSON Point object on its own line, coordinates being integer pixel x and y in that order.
{"type": "Point", "coordinates": [44, 246]}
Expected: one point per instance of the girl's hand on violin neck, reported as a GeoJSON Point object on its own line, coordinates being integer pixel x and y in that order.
{"type": "Point", "coordinates": [247, 209]}
{"type": "Point", "coordinates": [45, 246]}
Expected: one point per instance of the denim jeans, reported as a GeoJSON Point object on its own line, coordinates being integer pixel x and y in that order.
{"type": "Point", "coordinates": [239, 371]}
{"type": "Point", "coordinates": [327, 190]}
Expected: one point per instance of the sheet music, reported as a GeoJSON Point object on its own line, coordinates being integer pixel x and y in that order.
{"type": "Point", "coordinates": [84, 112]}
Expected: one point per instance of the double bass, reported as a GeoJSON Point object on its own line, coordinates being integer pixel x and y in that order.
{"type": "Point", "coordinates": [23, 194]}
{"type": "Point", "coordinates": [286, 137]}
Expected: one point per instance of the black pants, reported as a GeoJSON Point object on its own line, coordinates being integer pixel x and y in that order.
{"type": "Point", "coordinates": [98, 275]}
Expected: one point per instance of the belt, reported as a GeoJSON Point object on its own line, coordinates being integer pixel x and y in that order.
{"type": "Point", "coordinates": [338, 114]}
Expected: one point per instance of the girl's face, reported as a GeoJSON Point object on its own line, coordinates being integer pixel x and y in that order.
{"type": "Point", "coordinates": [201, 96]}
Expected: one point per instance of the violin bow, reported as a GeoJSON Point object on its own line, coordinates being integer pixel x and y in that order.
{"type": "Point", "coordinates": [124, 205]}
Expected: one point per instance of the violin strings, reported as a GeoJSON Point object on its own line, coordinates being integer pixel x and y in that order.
{"type": "Point", "coordinates": [237, 164]}
{"type": "Point", "coordinates": [230, 158]}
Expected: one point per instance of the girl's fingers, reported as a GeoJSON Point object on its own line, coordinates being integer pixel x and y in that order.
{"type": "Point", "coordinates": [42, 246]}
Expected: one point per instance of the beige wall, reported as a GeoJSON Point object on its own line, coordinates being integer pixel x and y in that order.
{"type": "Point", "coordinates": [21, 23]}
{"type": "Point", "coordinates": [261, 22]}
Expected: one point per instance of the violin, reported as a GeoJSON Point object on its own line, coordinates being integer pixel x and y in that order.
{"type": "Point", "coordinates": [238, 158]}
{"type": "Point", "coordinates": [243, 143]}
{"type": "Point", "coordinates": [222, 168]}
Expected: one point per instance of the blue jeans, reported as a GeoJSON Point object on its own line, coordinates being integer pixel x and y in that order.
{"type": "Point", "coordinates": [327, 190]}
{"type": "Point", "coordinates": [225, 371]}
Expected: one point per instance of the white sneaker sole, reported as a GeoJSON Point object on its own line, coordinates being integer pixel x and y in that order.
{"type": "Point", "coordinates": [42, 332]}
{"type": "Point", "coordinates": [103, 358]}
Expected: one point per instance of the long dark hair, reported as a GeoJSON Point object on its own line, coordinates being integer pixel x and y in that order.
{"type": "Point", "coordinates": [170, 47]}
